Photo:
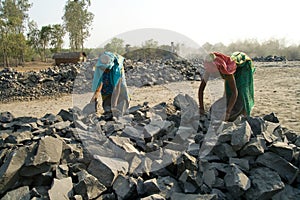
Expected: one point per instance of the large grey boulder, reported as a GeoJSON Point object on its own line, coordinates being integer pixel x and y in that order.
{"type": "Point", "coordinates": [285, 169]}
{"type": "Point", "coordinates": [236, 181]}
{"type": "Point", "coordinates": [240, 136]}
{"type": "Point", "coordinates": [288, 193]}
{"type": "Point", "coordinates": [124, 187]}
{"type": "Point", "coordinates": [88, 186]}
{"type": "Point", "coordinates": [283, 149]}
{"type": "Point", "coordinates": [21, 193]}
{"type": "Point", "coordinates": [107, 169]}
{"type": "Point", "coordinates": [9, 170]}
{"type": "Point", "coordinates": [254, 147]}
{"type": "Point", "coordinates": [49, 151]}
{"type": "Point", "coordinates": [265, 183]}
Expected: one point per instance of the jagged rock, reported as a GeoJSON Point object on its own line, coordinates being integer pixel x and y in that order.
{"type": "Point", "coordinates": [61, 171]}
{"type": "Point", "coordinates": [124, 143]}
{"type": "Point", "coordinates": [283, 149]}
{"type": "Point", "coordinates": [49, 119]}
{"type": "Point", "coordinates": [271, 118]}
{"type": "Point", "coordinates": [265, 183]}
{"type": "Point", "coordinates": [236, 181]}
{"type": "Point", "coordinates": [41, 179]}
{"type": "Point", "coordinates": [189, 162]}
{"type": "Point", "coordinates": [49, 151]}
{"type": "Point", "coordinates": [88, 186]}
{"type": "Point", "coordinates": [90, 108]}
{"type": "Point", "coordinates": [66, 115]}
{"type": "Point", "coordinates": [19, 193]}
{"type": "Point", "coordinates": [193, 178]}
{"type": "Point", "coordinates": [255, 146]}
{"type": "Point", "coordinates": [9, 170]}
{"type": "Point", "coordinates": [112, 127]}
{"type": "Point", "coordinates": [152, 129]}
{"type": "Point", "coordinates": [149, 187]}
{"type": "Point", "coordinates": [61, 189]}
{"type": "Point", "coordinates": [241, 163]}
{"type": "Point", "coordinates": [21, 137]}
{"type": "Point", "coordinates": [257, 125]}
{"type": "Point", "coordinates": [61, 125]}
{"type": "Point", "coordinates": [107, 169]}
{"type": "Point", "coordinates": [288, 193]}
{"type": "Point", "coordinates": [285, 169]}
{"type": "Point", "coordinates": [40, 192]}
{"type": "Point", "coordinates": [240, 136]}
{"type": "Point", "coordinates": [134, 109]}
{"type": "Point", "coordinates": [134, 163]}
{"type": "Point", "coordinates": [209, 177]}
{"type": "Point", "coordinates": [268, 133]}
{"type": "Point", "coordinates": [124, 187]}
{"type": "Point", "coordinates": [224, 151]}
{"type": "Point", "coordinates": [297, 142]}
{"type": "Point", "coordinates": [193, 149]}
{"type": "Point", "coordinates": [133, 133]}
{"type": "Point", "coordinates": [168, 185]}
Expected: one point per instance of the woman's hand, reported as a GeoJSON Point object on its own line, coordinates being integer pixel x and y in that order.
{"type": "Point", "coordinates": [95, 97]}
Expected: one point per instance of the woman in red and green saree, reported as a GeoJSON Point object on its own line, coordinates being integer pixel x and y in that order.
{"type": "Point", "coordinates": [237, 71]}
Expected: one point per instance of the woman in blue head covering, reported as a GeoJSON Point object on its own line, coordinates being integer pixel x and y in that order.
{"type": "Point", "coordinates": [109, 79]}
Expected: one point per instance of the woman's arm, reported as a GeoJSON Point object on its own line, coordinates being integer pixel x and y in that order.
{"type": "Point", "coordinates": [97, 93]}
{"type": "Point", "coordinates": [234, 94]}
{"type": "Point", "coordinates": [201, 92]}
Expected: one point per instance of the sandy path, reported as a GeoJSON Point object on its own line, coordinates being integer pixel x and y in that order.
{"type": "Point", "coordinates": [277, 89]}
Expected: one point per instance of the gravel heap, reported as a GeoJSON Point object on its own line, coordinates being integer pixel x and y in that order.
{"type": "Point", "coordinates": [161, 152]}
{"type": "Point", "coordinates": [77, 78]}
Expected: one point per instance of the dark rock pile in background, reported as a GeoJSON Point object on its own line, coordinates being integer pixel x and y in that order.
{"type": "Point", "coordinates": [160, 152]}
{"type": "Point", "coordinates": [77, 78]}
{"type": "Point", "coordinates": [32, 85]}
{"type": "Point", "coordinates": [270, 58]}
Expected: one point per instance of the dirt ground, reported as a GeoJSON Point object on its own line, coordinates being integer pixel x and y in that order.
{"type": "Point", "coordinates": [277, 89]}
{"type": "Point", "coordinates": [33, 66]}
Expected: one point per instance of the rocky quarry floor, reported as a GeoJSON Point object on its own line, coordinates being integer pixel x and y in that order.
{"type": "Point", "coordinates": [57, 148]}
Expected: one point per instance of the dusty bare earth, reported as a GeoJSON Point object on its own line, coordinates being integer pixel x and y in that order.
{"type": "Point", "coordinates": [277, 89]}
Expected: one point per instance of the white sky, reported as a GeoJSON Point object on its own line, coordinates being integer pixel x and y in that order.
{"type": "Point", "coordinates": [202, 21]}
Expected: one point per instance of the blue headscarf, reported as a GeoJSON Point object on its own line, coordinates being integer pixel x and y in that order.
{"type": "Point", "coordinates": [113, 62]}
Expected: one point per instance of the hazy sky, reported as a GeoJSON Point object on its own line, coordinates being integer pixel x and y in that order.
{"type": "Point", "coordinates": [201, 21]}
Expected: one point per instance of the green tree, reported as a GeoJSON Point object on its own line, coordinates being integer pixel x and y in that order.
{"type": "Point", "coordinates": [13, 17]}
{"type": "Point", "coordinates": [116, 45]}
{"type": "Point", "coordinates": [42, 40]}
{"type": "Point", "coordinates": [57, 35]}
{"type": "Point", "coordinates": [45, 36]}
{"type": "Point", "coordinates": [33, 38]}
{"type": "Point", "coordinates": [77, 21]}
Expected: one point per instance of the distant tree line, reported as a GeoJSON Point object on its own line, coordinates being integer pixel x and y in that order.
{"type": "Point", "coordinates": [16, 47]}
{"type": "Point", "coordinates": [253, 48]}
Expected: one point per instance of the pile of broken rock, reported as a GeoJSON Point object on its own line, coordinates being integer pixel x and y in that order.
{"type": "Point", "coordinates": [161, 152]}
